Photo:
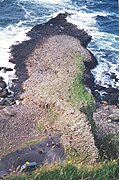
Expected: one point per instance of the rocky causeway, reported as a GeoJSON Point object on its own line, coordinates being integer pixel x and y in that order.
{"type": "Point", "coordinates": [45, 68]}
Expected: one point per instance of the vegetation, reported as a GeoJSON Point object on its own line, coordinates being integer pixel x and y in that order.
{"type": "Point", "coordinates": [106, 171]}
{"type": "Point", "coordinates": [78, 93]}
{"type": "Point", "coordinates": [51, 115]}
{"type": "Point", "coordinates": [34, 141]}
{"type": "Point", "coordinates": [110, 146]}
{"type": "Point", "coordinates": [84, 101]}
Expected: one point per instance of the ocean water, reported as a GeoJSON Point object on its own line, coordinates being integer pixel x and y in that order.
{"type": "Point", "coordinates": [100, 18]}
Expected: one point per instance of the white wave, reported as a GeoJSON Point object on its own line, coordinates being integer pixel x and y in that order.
{"type": "Point", "coordinates": [100, 43]}
{"type": "Point", "coordinates": [9, 36]}
{"type": "Point", "coordinates": [46, 1]}
{"type": "Point", "coordinates": [85, 20]}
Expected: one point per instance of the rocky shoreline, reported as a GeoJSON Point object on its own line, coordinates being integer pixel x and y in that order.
{"type": "Point", "coordinates": [45, 66]}
{"type": "Point", "coordinates": [38, 34]}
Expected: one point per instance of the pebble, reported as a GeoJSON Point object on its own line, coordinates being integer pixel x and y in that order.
{"type": "Point", "coordinates": [109, 120]}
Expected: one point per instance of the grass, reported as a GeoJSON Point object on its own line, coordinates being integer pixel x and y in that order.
{"type": "Point", "coordinates": [40, 127]}
{"type": "Point", "coordinates": [32, 142]}
{"type": "Point", "coordinates": [110, 147]}
{"type": "Point", "coordinates": [49, 119]}
{"type": "Point", "coordinates": [67, 171]}
{"type": "Point", "coordinates": [83, 100]}
{"type": "Point", "coordinates": [79, 96]}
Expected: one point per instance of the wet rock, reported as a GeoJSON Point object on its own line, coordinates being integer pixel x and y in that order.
{"type": "Point", "coordinates": [9, 101]}
{"type": "Point", "coordinates": [98, 87]}
{"type": "Point", "coordinates": [113, 98]}
{"type": "Point", "coordinates": [114, 76]}
{"type": "Point", "coordinates": [2, 102]}
{"type": "Point", "coordinates": [110, 89]}
{"type": "Point", "coordinates": [3, 85]}
{"type": "Point", "coordinates": [88, 79]}
{"type": "Point", "coordinates": [1, 78]}
{"type": "Point", "coordinates": [110, 94]}
{"type": "Point", "coordinates": [4, 69]}
{"type": "Point", "coordinates": [4, 93]}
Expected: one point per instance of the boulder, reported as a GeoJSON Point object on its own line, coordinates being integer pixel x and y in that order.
{"type": "Point", "coordinates": [4, 93]}
{"type": "Point", "coordinates": [3, 84]}
{"type": "Point", "coordinates": [1, 78]}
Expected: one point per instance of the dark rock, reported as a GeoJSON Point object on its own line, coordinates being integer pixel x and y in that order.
{"type": "Point", "coordinates": [1, 78]}
{"type": "Point", "coordinates": [88, 79]}
{"type": "Point", "coordinates": [110, 94]}
{"type": "Point", "coordinates": [3, 84]}
{"type": "Point", "coordinates": [60, 26]}
{"type": "Point", "coordinates": [100, 88]}
{"type": "Point", "coordinates": [4, 93]}
{"type": "Point", "coordinates": [90, 63]}
{"type": "Point", "coordinates": [9, 69]}
{"type": "Point", "coordinates": [4, 69]}
{"type": "Point", "coordinates": [110, 89]}
{"type": "Point", "coordinates": [2, 102]}
{"type": "Point", "coordinates": [9, 101]}
{"type": "Point", "coordinates": [114, 76]}
{"type": "Point", "coordinates": [113, 98]}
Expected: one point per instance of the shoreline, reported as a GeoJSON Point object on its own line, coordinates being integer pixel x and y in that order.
{"type": "Point", "coordinates": [27, 116]}
{"type": "Point", "coordinates": [42, 89]}
{"type": "Point", "coordinates": [38, 34]}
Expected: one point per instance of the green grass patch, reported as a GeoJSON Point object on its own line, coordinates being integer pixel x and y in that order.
{"type": "Point", "coordinates": [35, 141]}
{"type": "Point", "coordinates": [76, 157]}
{"type": "Point", "coordinates": [40, 127]}
{"type": "Point", "coordinates": [68, 171]}
{"type": "Point", "coordinates": [52, 116]}
{"type": "Point", "coordinates": [79, 96]}
{"type": "Point", "coordinates": [49, 119]}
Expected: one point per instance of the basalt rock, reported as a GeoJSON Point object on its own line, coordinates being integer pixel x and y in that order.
{"type": "Point", "coordinates": [1, 78]}
{"type": "Point", "coordinates": [4, 69]}
{"type": "Point", "coordinates": [55, 26]}
{"type": "Point", "coordinates": [4, 93]}
{"type": "Point", "coordinates": [3, 84]}
{"type": "Point", "coordinates": [111, 94]}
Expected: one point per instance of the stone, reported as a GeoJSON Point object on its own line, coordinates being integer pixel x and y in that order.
{"type": "Point", "coordinates": [9, 101]}
{"type": "Point", "coordinates": [114, 117]}
{"type": "Point", "coordinates": [1, 78]}
{"type": "Point", "coordinates": [3, 84]}
{"type": "Point", "coordinates": [4, 93]}
{"type": "Point", "coordinates": [4, 69]}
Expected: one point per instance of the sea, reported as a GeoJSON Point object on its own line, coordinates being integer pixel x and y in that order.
{"type": "Point", "coordinates": [99, 18]}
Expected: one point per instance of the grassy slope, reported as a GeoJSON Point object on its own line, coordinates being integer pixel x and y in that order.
{"type": "Point", "coordinates": [80, 97]}
{"type": "Point", "coordinates": [105, 171]}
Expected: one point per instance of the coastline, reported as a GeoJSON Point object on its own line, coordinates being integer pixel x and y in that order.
{"type": "Point", "coordinates": [42, 88]}
{"type": "Point", "coordinates": [38, 34]}
{"type": "Point", "coordinates": [27, 112]}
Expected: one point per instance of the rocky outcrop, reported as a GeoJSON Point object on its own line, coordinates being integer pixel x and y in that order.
{"type": "Point", "coordinates": [38, 34]}
{"type": "Point", "coordinates": [46, 66]}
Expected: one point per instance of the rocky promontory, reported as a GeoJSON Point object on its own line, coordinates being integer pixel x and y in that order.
{"type": "Point", "coordinates": [52, 68]}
